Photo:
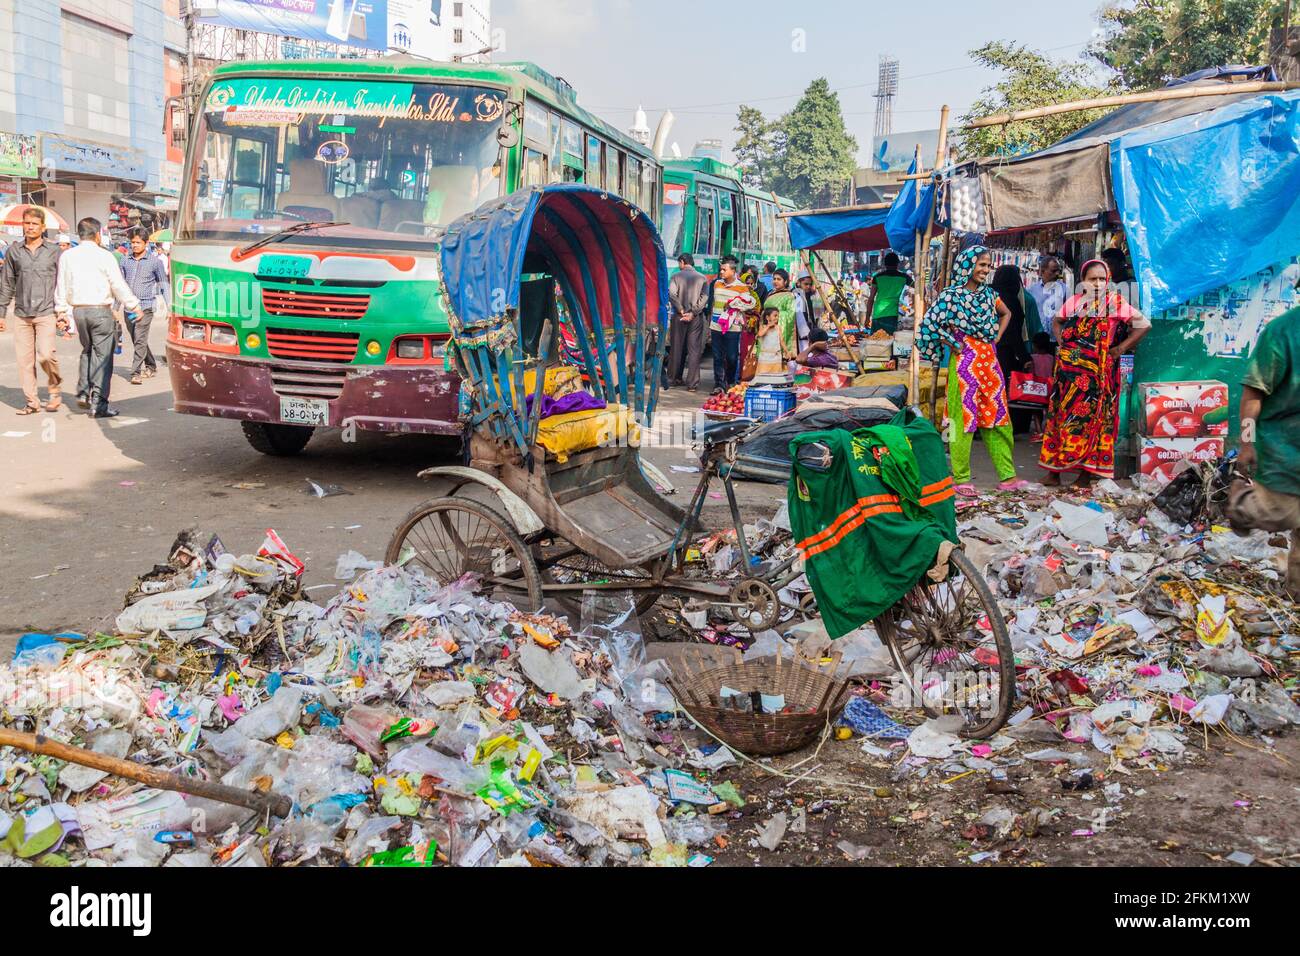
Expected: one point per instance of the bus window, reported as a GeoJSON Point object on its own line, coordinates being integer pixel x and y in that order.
{"type": "Point", "coordinates": [611, 171]}
{"type": "Point", "coordinates": [704, 231]}
{"type": "Point", "coordinates": [572, 137]}
{"type": "Point", "coordinates": [536, 123]}
{"type": "Point", "coordinates": [754, 226]}
{"type": "Point", "coordinates": [674, 215]}
{"type": "Point", "coordinates": [595, 163]}
{"type": "Point", "coordinates": [649, 180]}
{"type": "Point", "coordinates": [535, 171]}
{"type": "Point", "coordinates": [633, 190]}
{"type": "Point", "coordinates": [557, 161]}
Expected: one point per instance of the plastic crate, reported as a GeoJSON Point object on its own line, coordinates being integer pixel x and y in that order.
{"type": "Point", "coordinates": [768, 404]}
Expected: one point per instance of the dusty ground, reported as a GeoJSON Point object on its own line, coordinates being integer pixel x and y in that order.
{"type": "Point", "coordinates": [1185, 816]}
{"type": "Point", "coordinates": [88, 505]}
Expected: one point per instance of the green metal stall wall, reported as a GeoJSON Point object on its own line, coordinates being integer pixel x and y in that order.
{"type": "Point", "coordinates": [1211, 337]}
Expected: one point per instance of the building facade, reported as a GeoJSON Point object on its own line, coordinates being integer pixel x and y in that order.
{"type": "Point", "coordinates": [83, 90]}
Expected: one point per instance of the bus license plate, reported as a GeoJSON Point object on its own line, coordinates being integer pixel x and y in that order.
{"type": "Point", "coordinates": [304, 411]}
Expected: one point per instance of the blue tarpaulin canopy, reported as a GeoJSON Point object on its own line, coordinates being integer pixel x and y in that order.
{"type": "Point", "coordinates": [906, 216]}
{"type": "Point", "coordinates": [851, 231]}
{"type": "Point", "coordinates": [1207, 199]}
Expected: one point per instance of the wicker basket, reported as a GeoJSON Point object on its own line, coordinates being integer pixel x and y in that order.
{"type": "Point", "coordinates": [810, 689]}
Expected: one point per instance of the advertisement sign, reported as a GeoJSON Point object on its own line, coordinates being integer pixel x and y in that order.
{"type": "Point", "coordinates": [360, 23]}
{"type": "Point", "coordinates": [1233, 316]}
{"type": "Point", "coordinates": [416, 27]}
{"type": "Point", "coordinates": [65, 155]}
{"type": "Point", "coordinates": [18, 155]}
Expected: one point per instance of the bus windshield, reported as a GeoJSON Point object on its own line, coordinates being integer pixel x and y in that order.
{"type": "Point", "coordinates": [396, 161]}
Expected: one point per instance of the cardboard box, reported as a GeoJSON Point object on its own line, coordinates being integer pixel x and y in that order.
{"type": "Point", "coordinates": [1160, 457]}
{"type": "Point", "coordinates": [809, 381]}
{"type": "Point", "coordinates": [1184, 409]}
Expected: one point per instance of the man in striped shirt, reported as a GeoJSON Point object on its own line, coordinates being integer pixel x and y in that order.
{"type": "Point", "coordinates": [147, 277]}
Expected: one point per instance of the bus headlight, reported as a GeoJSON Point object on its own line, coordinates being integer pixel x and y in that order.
{"type": "Point", "coordinates": [223, 335]}
{"type": "Point", "coordinates": [194, 332]}
{"type": "Point", "coordinates": [410, 348]}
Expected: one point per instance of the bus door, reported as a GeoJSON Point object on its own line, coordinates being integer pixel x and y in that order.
{"type": "Point", "coordinates": [726, 224]}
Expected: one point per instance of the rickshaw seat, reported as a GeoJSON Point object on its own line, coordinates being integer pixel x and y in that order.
{"type": "Point", "coordinates": [717, 433]}
{"type": "Point", "coordinates": [565, 435]}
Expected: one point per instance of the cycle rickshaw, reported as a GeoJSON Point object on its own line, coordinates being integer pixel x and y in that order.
{"type": "Point", "coordinates": [554, 505]}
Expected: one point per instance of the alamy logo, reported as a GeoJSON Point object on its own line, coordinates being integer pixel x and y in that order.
{"type": "Point", "coordinates": [75, 908]}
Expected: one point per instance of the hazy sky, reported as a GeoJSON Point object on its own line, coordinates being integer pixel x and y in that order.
{"type": "Point", "coordinates": [700, 62]}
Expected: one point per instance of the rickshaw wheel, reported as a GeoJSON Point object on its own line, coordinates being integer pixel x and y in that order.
{"type": "Point", "coordinates": [452, 537]}
{"type": "Point", "coordinates": [576, 568]}
{"type": "Point", "coordinates": [951, 645]}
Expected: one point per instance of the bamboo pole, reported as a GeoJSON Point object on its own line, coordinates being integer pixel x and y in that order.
{"type": "Point", "coordinates": [273, 803]}
{"type": "Point", "coordinates": [923, 259]}
{"type": "Point", "coordinates": [1154, 96]}
{"type": "Point", "coordinates": [863, 207]}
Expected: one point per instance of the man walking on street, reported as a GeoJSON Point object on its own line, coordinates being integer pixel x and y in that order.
{"type": "Point", "coordinates": [689, 294]}
{"type": "Point", "coordinates": [27, 278]}
{"type": "Point", "coordinates": [1270, 440]}
{"type": "Point", "coordinates": [145, 274]}
{"type": "Point", "coordinates": [89, 281]}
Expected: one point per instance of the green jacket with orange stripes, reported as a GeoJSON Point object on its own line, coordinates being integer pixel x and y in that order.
{"type": "Point", "coordinates": [864, 543]}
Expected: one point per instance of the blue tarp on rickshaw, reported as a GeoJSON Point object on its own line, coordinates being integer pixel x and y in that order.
{"type": "Point", "coordinates": [607, 258]}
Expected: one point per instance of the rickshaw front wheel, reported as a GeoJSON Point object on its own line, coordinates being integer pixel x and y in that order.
{"type": "Point", "coordinates": [451, 537]}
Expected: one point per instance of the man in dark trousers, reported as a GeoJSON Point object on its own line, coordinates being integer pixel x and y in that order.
{"type": "Point", "coordinates": [144, 273]}
{"type": "Point", "coordinates": [90, 280]}
{"type": "Point", "coordinates": [689, 294]}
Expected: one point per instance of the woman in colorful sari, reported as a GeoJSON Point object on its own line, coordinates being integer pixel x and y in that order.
{"type": "Point", "coordinates": [1094, 329]}
{"type": "Point", "coordinates": [969, 317]}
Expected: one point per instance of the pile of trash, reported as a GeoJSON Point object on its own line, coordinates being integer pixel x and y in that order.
{"type": "Point", "coordinates": [1131, 631]}
{"type": "Point", "coordinates": [407, 723]}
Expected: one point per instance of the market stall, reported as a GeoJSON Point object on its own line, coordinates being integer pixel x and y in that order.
{"type": "Point", "coordinates": [1215, 254]}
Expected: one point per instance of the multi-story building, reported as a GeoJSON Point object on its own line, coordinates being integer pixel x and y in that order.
{"type": "Point", "coordinates": [83, 91]}
{"type": "Point", "coordinates": [470, 26]}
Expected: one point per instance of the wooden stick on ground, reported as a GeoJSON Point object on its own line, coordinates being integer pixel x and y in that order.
{"type": "Point", "coordinates": [276, 804]}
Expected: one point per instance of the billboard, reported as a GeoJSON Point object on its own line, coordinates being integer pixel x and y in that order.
{"type": "Point", "coordinates": [360, 23]}
{"type": "Point", "coordinates": [18, 155]}
{"type": "Point", "coordinates": [895, 152]}
{"type": "Point", "coordinates": [416, 27]}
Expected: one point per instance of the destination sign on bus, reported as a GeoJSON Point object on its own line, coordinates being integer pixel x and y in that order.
{"type": "Point", "coordinates": [381, 100]}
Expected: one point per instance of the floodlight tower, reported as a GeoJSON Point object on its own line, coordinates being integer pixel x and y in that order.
{"type": "Point", "coordinates": [886, 90]}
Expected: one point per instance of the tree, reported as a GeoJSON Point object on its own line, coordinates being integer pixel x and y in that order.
{"type": "Point", "coordinates": [1031, 80]}
{"type": "Point", "coordinates": [1154, 41]}
{"type": "Point", "coordinates": [755, 147]}
{"type": "Point", "coordinates": [813, 155]}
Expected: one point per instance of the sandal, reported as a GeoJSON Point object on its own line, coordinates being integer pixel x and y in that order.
{"type": "Point", "coordinates": [29, 410]}
{"type": "Point", "coordinates": [54, 404]}
{"type": "Point", "coordinates": [1013, 484]}
{"type": "Point", "coordinates": [968, 491]}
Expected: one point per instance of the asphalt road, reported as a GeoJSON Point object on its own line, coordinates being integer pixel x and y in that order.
{"type": "Point", "coordinates": [90, 504]}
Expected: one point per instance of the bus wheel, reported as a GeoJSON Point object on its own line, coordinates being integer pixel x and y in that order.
{"type": "Point", "coordinates": [282, 441]}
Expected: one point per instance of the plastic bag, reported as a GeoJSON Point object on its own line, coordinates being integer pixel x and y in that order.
{"type": "Point", "coordinates": [352, 563]}
{"type": "Point", "coordinates": [564, 435]}
{"type": "Point", "coordinates": [273, 717]}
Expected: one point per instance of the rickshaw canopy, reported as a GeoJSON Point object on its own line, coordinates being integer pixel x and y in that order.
{"type": "Point", "coordinates": [607, 259]}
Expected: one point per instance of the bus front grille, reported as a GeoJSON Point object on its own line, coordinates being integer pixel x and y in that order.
{"type": "Point", "coordinates": [308, 384]}
{"type": "Point", "coordinates": [313, 346]}
{"type": "Point", "coordinates": [314, 304]}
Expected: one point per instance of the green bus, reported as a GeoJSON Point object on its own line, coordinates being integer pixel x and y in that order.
{"type": "Point", "coordinates": [710, 213]}
{"type": "Point", "coordinates": [306, 261]}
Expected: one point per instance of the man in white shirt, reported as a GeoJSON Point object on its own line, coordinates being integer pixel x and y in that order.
{"type": "Point", "coordinates": [1050, 292]}
{"type": "Point", "coordinates": [90, 279]}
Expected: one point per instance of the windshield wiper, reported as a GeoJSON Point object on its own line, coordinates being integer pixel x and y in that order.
{"type": "Point", "coordinates": [293, 230]}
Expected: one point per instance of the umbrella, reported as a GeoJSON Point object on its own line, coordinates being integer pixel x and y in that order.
{"type": "Point", "coordinates": [162, 235]}
{"type": "Point", "coordinates": [12, 215]}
